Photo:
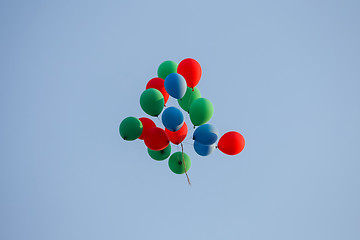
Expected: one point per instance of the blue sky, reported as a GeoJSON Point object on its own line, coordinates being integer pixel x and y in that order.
{"type": "Point", "coordinates": [283, 73]}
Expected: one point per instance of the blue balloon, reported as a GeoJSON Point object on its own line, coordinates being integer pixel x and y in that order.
{"type": "Point", "coordinates": [172, 118]}
{"type": "Point", "coordinates": [203, 150]}
{"type": "Point", "coordinates": [206, 134]}
{"type": "Point", "coordinates": [175, 85]}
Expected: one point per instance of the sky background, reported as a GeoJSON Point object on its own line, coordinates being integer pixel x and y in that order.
{"type": "Point", "coordinates": [285, 74]}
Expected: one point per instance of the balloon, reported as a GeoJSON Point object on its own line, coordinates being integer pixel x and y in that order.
{"type": "Point", "coordinates": [231, 143]}
{"type": "Point", "coordinates": [178, 136]}
{"type": "Point", "coordinates": [158, 83]}
{"type": "Point", "coordinates": [130, 128]}
{"type": "Point", "coordinates": [176, 162]}
{"type": "Point", "coordinates": [172, 118]}
{"type": "Point", "coordinates": [175, 85]}
{"type": "Point", "coordinates": [152, 102]}
{"type": "Point", "coordinates": [188, 98]}
{"type": "Point", "coordinates": [166, 68]}
{"type": "Point", "coordinates": [190, 69]}
{"type": "Point", "coordinates": [206, 134]}
{"type": "Point", "coordinates": [202, 149]}
{"type": "Point", "coordinates": [160, 155]}
{"type": "Point", "coordinates": [156, 139]}
{"type": "Point", "coordinates": [147, 124]}
{"type": "Point", "coordinates": [201, 111]}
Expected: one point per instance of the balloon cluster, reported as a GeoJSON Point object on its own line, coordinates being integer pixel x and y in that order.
{"type": "Point", "coordinates": [178, 81]}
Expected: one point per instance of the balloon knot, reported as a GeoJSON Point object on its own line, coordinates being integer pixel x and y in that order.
{"type": "Point", "coordinates": [192, 89]}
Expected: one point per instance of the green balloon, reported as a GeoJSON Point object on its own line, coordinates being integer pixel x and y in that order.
{"type": "Point", "coordinates": [176, 162]}
{"type": "Point", "coordinates": [166, 68]}
{"type": "Point", "coordinates": [130, 128]}
{"type": "Point", "coordinates": [189, 97]}
{"type": "Point", "coordinates": [201, 111]}
{"type": "Point", "coordinates": [160, 155]}
{"type": "Point", "coordinates": [152, 102]}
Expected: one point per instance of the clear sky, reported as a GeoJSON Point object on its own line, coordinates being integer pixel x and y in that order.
{"type": "Point", "coordinates": [285, 74]}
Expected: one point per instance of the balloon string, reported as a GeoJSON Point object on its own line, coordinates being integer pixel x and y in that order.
{"type": "Point", "coordinates": [159, 120]}
{"type": "Point", "coordinates": [183, 160]}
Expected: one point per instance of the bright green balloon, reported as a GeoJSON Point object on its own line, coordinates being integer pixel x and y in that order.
{"type": "Point", "coordinates": [152, 101]}
{"type": "Point", "coordinates": [166, 68]}
{"type": "Point", "coordinates": [176, 162]}
{"type": "Point", "coordinates": [201, 111]}
{"type": "Point", "coordinates": [130, 128]}
{"type": "Point", "coordinates": [189, 97]}
{"type": "Point", "coordinates": [160, 155]}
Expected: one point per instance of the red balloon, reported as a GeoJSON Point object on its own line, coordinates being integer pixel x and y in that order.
{"type": "Point", "coordinates": [231, 143]}
{"type": "Point", "coordinates": [190, 69]}
{"type": "Point", "coordinates": [147, 124]}
{"type": "Point", "coordinates": [158, 83]}
{"type": "Point", "coordinates": [178, 136]}
{"type": "Point", "coordinates": [156, 139]}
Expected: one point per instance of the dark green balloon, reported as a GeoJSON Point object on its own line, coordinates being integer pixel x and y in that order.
{"type": "Point", "coordinates": [130, 128]}
{"type": "Point", "coordinates": [201, 111]}
{"type": "Point", "coordinates": [176, 163]}
{"type": "Point", "coordinates": [166, 68]}
{"type": "Point", "coordinates": [160, 155]}
{"type": "Point", "coordinates": [188, 98]}
{"type": "Point", "coordinates": [152, 102]}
